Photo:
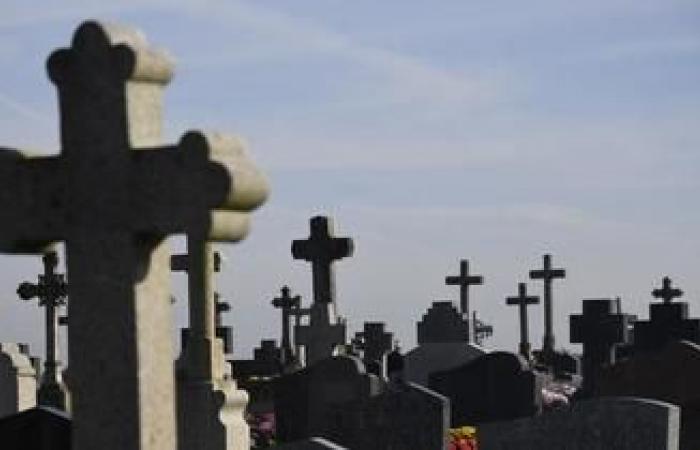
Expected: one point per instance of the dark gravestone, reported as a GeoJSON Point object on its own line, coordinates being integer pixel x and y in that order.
{"type": "Point", "coordinates": [257, 375]}
{"type": "Point", "coordinates": [599, 424]}
{"type": "Point", "coordinates": [600, 328]}
{"type": "Point", "coordinates": [522, 301]}
{"type": "Point", "coordinates": [287, 304]}
{"type": "Point", "coordinates": [668, 321]}
{"type": "Point", "coordinates": [547, 274]}
{"type": "Point", "coordinates": [464, 280]}
{"type": "Point", "coordinates": [442, 344]}
{"type": "Point", "coordinates": [670, 374]}
{"type": "Point", "coordinates": [494, 387]}
{"type": "Point", "coordinates": [52, 292]}
{"type": "Point", "coordinates": [375, 342]}
{"type": "Point", "coordinates": [40, 428]}
{"type": "Point", "coordinates": [308, 402]}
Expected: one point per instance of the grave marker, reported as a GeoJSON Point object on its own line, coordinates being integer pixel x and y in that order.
{"type": "Point", "coordinates": [287, 304]}
{"type": "Point", "coordinates": [523, 301]}
{"type": "Point", "coordinates": [375, 342]}
{"type": "Point", "coordinates": [52, 291]}
{"type": "Point", "coordinates": [464, 280]}
{"type": "Point", "coordinates": [114, 195]}
{"type": "Point", "coordinates": [547, 274]}
{"type": "Point", "coordinates": [17, 380]}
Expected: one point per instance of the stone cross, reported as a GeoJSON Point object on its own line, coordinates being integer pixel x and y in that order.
{"type": "Point", "coordinates": [321, 249]}
{"type": "Point", "coordinates": [51, 290]}
{"type": "Point", "coordinates": [324, 332]}
{"type": "Point", "coordinates": [375, 342]}
{"type": "Point", "coordinates": [287, 303]}
{"type": "Point", "coordinates": [600, 328]}
{"type": "Point", "coordinates": [547, 274]}
{"type": "Point", "coordinates": [222, 331]}
{"type": "Point", "coordinates": [481, 330]}
{"type": "Point", "coordinates": [464, 280]}
{"type": "Point", "coordinates": [523, 301]}
{"type": "Point", "coordinates": [666, 292]}
{"type": "Point", "coordinates": [114, 194]}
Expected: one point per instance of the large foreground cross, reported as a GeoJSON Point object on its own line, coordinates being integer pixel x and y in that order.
{"type": "Point", "coordinates": [113, 195]}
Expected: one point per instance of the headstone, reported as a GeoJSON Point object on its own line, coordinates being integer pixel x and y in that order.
{"type": "Point", "coordinates": [522, 301]}
{"type": "Point", "coordinates": [52, 291]}
{"type": "Point", "coordinates": [464, 280]}
{"type": "Point", "coordinates": [40, 428]}
{"type": "Point", "coordinates": [114, 194]}
{"type": "Point", "coordinates": [599, 424]}
{"type": "Point", "coordinates": [669, 375]}
{"type": "Point", "coordinates": [494, 387]}
{"type": "Point", "coordinates": [287, 304]}
{"type": "Point", "coordinates": [223, 332]}
{"type": "Point", "coordinates": [17, 380]}
{"type": "Point", "coordinates": [306, 401]}
{"type": "Point", "coordinates": [547, 274]}
{"type": "Point", "coordinates": [442, 344]}
{"type": "Point", "coordinates": [375, 342]}
{"type": "Point", "coordinates": [324, 331]}
{"type": "Point", "coordinates": [668, 321]}
{"type": "Point", "coordinates": [600, 328]}
{"type": "Point", "coordinates": [481, 330]}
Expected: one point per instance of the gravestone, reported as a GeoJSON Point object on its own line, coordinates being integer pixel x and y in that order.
{"type": "Point", "coordinates": [547, 274]}
{"type": "Point", "coordinates": [599, 424]}
{"type": "Point", "coordinates": [52, 291]}
{"type": "Point", "coordinates": [307, 401]}
{"type": "Point", "coordinates": [599, 328]}
{"type": "Point", "coordinates": [464, 280]}
{"type": "Point", "coordinates": [114, 194]}
{"type": "Point", "coordinates": [287, 304]}
{"type": "Point", "coordinates": [522, 301]}
{"type": "Point", "coordinates": [40, 428]}
{"type": "Point", "coordinates": [670, 374]}
{"type": "Point", "coordinates": [17, 380]}
{"type": "Point", "coordinates": [494, 387]}
{"type": "Point", "coordinates": [668, 321]}
{"type": "Point", "coordinates": [375, 342]}
{"type": "Point", "coordinates": [442, 344]}
{"type": "Point", "coordinates": [324, 331]}
{"type": "Point", "coordinates": [256, 376]}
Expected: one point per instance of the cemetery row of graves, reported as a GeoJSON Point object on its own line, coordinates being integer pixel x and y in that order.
{"type": "Point", "coordinates": [115, 194]}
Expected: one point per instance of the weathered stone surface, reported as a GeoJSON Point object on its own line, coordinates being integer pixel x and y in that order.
{"type": "Point", "coordinates": [600, 424]}
{"type": "Point", "coordinates": [442, 323]}
{"type": "Point", "coordinates": [494, 387]}
{"type": "Point", "coordinates": [429, 358]}
{"type": "Point", "coordinates": [669, 375]}
{"type": "Point", "coordinates": [17, 381]}
{"type": "Point", "coordinates": [113, 195]}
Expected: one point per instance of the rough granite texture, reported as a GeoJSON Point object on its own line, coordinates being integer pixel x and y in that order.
{"type": "Point", "coordinates": [18, 385]}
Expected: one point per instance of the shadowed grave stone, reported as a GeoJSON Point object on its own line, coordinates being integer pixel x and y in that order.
{"type": "Point", "coordinates": [668, 321]}
{"type": "Point", "coordinates": [522, 301]}
{"type": "Point", "coordinates": [52, 291]}
{"type": "Point", "coordinates": [256, 376]}
{"type": "Point", "coordinates": [287, 304]}
{"type": "Point", "coordinates": [442, 344]}
{"type": "Point", "coordinates": [324, 331]}
{"type": "Point", "coordinates": [670, 374]}
{"type": "Point", "coordinates": [494, 387]}
{"type": "Point", "coordinates": [464, 280]}
{"type": "Point", "coordinates": [40, 428]}
{"type": "Point", "coordinates": [600, 328]}
{"type": "Point", "coordinates": [375, 342]}
{"type": "Point", "coordinates": [598, 424]}
{"type": "Point", "coordinates": [114, 194]}
{"type": "Point", "coordinates": [17, 380]}
{"type": "Point", "coordinates": [547, 274]}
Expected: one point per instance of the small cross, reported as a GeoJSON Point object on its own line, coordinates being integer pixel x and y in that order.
{"type": "Point", "coordinates": [51, 290]}
{"type": "Point", "coordinates": [547, 274]}
{"type": "Point", "coordinates": [374, 341]}
{"type": "Point", "coordinates": [523, 301]}
{"type": "Point", "coordinates": [321, 249]}
{"type": "Point", "coordinates": [464, 280]}
{"type": "Point", "coordinates": [220, 307]}
{"type": "Point", "coordinates": [667, 293]}
{"type": "Point", "coordinates": [287, 303]}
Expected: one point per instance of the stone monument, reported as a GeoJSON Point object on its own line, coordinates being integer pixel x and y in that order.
{"type": "Point", "coordinates": [17, 380]}
{"type": "Point", "coordinates": [522, 301]}
{"type": "Point", "coordinates": [464, 280]}
{"type": "Point", "coordinates": [547, 274]}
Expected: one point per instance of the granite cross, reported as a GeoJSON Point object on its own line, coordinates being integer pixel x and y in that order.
{"type": "Point", "coordinates": [375, 342]}
{"type": "Point", "coordinates": [52, 291]}
{"type": "Point", "coordinates": [599, 329]}
{"type": "Point", "coordinates": [324, 332]}
{"type": "Point", "coordinates": [523, 301]}
{"type": "Point", "coordinates": [464, 280]}
{"type": "Point", "coordinates": [547, 274]}
{"type": "Point", "coordinates": [222, 331]}
{"type": "Point", "coordinates": [114, 194]}
{"type": "Point", "coordinates": [287, 303]}
{"type": "Point", "coordinates": [666, 292]}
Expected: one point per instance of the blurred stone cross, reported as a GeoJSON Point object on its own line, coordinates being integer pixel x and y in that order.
{"type": "Point", "coordinates": [464, 280]}
{"type": "Point", "coordinates": [287, 304]}
{"type": "Point", "coordinates": [547, 274]}
{"type": "Point", "coordinates": [666, 292]}
{"type": "Point", "coordinates": [52, 291]}
{"type": "Point", "coordinates": [114, 194]}
{"type": "Point", "coordinates": [522, 300]}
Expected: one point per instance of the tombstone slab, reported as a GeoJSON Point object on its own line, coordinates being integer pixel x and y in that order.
{"type": "Point", "coordinates": [40, 428]}
{"type": "Point", "coordinates": [599, 424]}
{"type": "Point", "coordinates": [18, 387]}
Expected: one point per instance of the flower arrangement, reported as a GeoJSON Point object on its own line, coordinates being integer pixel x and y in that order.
{"type": "Point", "coordinates": [462, 438]}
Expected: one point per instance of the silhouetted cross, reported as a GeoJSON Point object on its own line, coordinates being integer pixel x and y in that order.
{"type": "Point", "coordinates": [667, 293]}
{"type": "Point", "coordinates": [464, 280]}
{"type": "Point", "coordinates": [547, 274]}
{"type": "Point", "coordinates": [286, 303]}
{"type": "Point", "coordinates": [523, 301]}
{"type": "Point", "coordinates": [321, 249]}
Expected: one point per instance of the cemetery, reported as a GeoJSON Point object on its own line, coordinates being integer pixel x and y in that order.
{"type": "Point", "coordinates": [114, 195]}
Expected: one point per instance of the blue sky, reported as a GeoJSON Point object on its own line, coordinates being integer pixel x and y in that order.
{"type": "Point", "coordinates": [431, 131]}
